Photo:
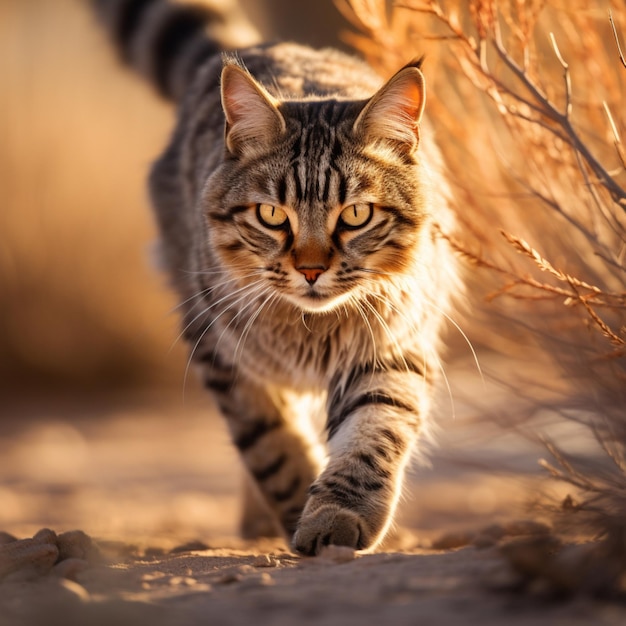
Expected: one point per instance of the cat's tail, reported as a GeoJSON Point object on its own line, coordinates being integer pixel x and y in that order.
{"type": "Point", "coordinates": [168, 42]}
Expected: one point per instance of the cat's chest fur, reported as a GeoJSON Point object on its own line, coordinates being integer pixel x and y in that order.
{"type": "Point", "coordinates": [285, 347]}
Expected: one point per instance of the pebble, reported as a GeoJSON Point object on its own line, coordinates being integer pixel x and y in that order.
{"type": "Point", "coordinates": [336, 554]}
{"type": "Point", "coordinates": [70, 568]}
{"type": "Point", "coordinates": [31, 557]}
{"type": "Point", "coordinates": [266, 560]}
{"type": "Point", "coordinates": [76, 544]}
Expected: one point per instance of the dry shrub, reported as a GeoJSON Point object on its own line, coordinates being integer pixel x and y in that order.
{"type": "Point", "coordinates": [526, 100]}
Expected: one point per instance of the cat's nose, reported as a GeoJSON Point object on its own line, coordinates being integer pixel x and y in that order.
{"type": "Point", "coordinates": [311, 273]}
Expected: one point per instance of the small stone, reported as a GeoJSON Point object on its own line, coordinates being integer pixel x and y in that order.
{"type": "Point", "coordinates": [31, 557]}
{"type": "Point", "coordinates": [182, 581]}
{"type": "Point", "coordinates": [76, 544]}
{"type": "Point", "coordinates": [70, 568]}
{"type": "Point", "coordinates": [76, 590]}
{"type": "Point", "coordinates": [45, 535]}
{"type": "Point", "coordinates": [229, 579]}
{"type": "Point", "coordinates": [337, 554]}
{"type": "Point", "coordinates": [152, 576]}
{"type": "Point", "coordinates": [191, 546]}
{"type": "Point", "coordinates": [258, 580]}
{"type": "Point", "coordinates": [451, 541]}
{"type": "Point", "coordinates": [266, 560]}
{"type": "Point", "coordinates": [531, 556]}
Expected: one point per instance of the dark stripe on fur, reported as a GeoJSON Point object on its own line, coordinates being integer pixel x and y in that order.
{"type": "Point", "coordinates": [376, 397]}
{"type": "Point", "coordinates": [390, 436]}
{"type": "Point", "coordinates": [370, 397]}
{"type": "Point", "coordinates": [288, 493]}
{"type": "Point", "coordinates": [218, 386]}
{"type": "Point", "coordinates": [360, 482]}
{"type": "Point", "coordinates": [290, 518]}
{"type": "Point", "coordinates": [258, 430]}
{"type": "Point", "coordinates": [128, 22]}
{"type": "Point", "coordinates": [185, 22]}
{"type": "Point", "coordinates": [343, 495]}
{"type": "Point", "coordinates": [165, 42]}
{"type": "Point", "coordinates": [282, 191]}
{"type": "Point", "coordinates": [372, 464]}
{"type": "Point", "coordinates": [271, 469]}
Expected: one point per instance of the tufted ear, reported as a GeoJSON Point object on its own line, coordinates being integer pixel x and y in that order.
{"type": "Point", "coordinates": [252, 116]}
{"type": "Point", "coordinates": [394, 112]}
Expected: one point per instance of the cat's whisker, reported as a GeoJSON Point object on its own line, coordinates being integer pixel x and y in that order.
{"type": "Point", "coordinates": [367, 270]}
{"type": "Point", "coordinates": [240, 312]}
{"type": "Point", "coordinates": [208, 290]}
{"type": "Point", "coordinates": [250, 288]}
{"type": "Point", "coordinates": [362, 314]}
{"type": "Point", "coordinates": [249, 323]}
{"type": "Point", "coordinates": [222, 270]}
{"type": "Point", "coordinates": [198, 295]}
{"type": "Point", "coordinates": [303, 319]}
{"type": "Point", "coordinates": [385, 327]}
{"type": "Point", "coordinates": [465, 338]}
{"type": "Point", "coordinates": [432, 352]}
{"type": "Point", "coordinates": [211, 306]}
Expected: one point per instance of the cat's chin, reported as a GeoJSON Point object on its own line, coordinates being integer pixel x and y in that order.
{"type": "Point", "coordinates": [317, 303]}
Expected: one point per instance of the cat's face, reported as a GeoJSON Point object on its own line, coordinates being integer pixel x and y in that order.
{"type": "Point", "coordinates": [319, 200]}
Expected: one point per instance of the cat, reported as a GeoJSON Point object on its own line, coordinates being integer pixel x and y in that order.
{"type": "Point", "coordinates": [298, 204]}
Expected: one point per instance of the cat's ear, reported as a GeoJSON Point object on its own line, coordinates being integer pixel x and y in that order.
{"type": "Point", "coordinates": [394, 112]}
{"type": "Point", "coordinates": [252, 116]}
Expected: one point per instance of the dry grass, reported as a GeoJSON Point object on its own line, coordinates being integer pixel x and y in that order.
{"type": "Point", "coordinates": [526, 100]}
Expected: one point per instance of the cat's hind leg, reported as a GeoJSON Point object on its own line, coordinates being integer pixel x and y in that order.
{"type": "Point", "coordinates": [280, 456]}
{"type": "Point", "coordinates": [257, 520]}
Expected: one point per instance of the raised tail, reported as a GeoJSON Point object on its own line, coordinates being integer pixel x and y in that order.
{"type": "Point", "coordinates": [168, 42]}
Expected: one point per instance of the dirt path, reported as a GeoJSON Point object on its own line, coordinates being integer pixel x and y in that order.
{"type": "Point", "coordinates": [146, 478]}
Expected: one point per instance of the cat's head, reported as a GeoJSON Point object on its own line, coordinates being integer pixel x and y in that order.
{"type": "Point", "coordinates": [318, 199]}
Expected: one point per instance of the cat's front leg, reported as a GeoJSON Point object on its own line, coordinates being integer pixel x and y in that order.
{"type": "Point", "coordinates": [374, 418]}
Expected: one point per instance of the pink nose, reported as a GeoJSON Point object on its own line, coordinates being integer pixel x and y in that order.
{"type": "Point", "coordinates": [311, 273]}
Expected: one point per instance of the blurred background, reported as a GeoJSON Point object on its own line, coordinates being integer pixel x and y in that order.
{"type": "Point", "coordinates": [81, 307]}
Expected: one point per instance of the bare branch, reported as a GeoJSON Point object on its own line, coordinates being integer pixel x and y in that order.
{"type": "Point", "coordinates": [549, 109]}
{"type": "Point", "coordinates": [619, 48]}
{"type": "Point", "coordinates": [617, 139]}
{"type": "Point", "coordinates": [566, 76]}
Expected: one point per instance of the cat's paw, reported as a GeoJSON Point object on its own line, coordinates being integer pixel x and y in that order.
{"type": "Point", "coordinates": [327, 525]}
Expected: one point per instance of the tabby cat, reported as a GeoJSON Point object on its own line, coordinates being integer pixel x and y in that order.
{"type": "Point", "coordinates": [298, 205]}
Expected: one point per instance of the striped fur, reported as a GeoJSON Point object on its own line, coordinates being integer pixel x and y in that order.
{"type": "Point", "coordinates": [297, 203]}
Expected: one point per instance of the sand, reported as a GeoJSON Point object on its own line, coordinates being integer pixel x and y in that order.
{"type": "Point", "coordinates": [153, 483]}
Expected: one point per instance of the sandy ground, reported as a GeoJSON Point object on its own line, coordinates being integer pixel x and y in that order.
{"type": "Point", "coordinates": [155, 482]}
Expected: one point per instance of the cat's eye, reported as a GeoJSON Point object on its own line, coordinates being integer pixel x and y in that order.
{"type": "Point", "coordinates": [271, 216]}
{"type": "Point", "coordinates": [356, 215]}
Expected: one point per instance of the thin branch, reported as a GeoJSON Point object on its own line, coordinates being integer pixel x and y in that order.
{"type": "Point", "coordinates": [616, 136]}
{"type": "Point", "coordinates": [617, 192]}
{"type": "Point", "coordinates": [619, 48]}
{"type": "Point", "coordinates": [566, 76]}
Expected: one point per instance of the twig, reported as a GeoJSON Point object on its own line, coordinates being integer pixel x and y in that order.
{"type": "Point", "coordinates": [566, 76]}
{"type": "Point", "coordinates": [619, 48]}
{"type": "Point", "coordinates": [616, 136]}
{"type": "Point", "coordinates": [617, 192]}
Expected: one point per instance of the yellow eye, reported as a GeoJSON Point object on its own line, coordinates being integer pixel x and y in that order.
{"type": "Point", "coordinates": [271, 216]}
{"type": "Point", "coordinates": [356, 215]}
